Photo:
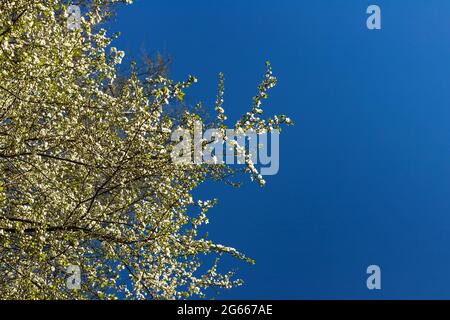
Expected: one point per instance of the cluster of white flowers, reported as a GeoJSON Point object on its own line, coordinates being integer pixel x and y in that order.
{"type": "Point", "coordinates": [221, 117]}
{"type": "Point", "coordinates": [86, 174]}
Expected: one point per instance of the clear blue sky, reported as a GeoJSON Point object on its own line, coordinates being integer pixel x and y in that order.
{"type": "Point", "coordinates": [365, 172]}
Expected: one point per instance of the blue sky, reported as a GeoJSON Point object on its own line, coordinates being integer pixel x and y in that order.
{"type": "Point", "coordinates": [365, 172]}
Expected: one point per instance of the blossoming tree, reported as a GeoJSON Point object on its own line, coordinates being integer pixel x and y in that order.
{"type": "Point", "coordinates": [86, 177]}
